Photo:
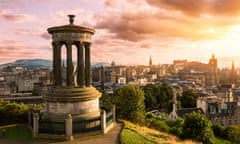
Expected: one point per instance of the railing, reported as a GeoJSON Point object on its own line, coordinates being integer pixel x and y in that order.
{"type": "Point", "coordinates": [83, 126]}
{"type": "Point", "coordinates": [109, 118]}
{"type": "Point", "coordinates": [69, 126]}
{"type": "Point", "coordinates": [50, 127]}
{"type": "Point", "coordinates": [31, 118]}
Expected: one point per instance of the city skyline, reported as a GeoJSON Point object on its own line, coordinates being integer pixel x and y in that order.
{"type": "Point", "coordinates": [127, 32]}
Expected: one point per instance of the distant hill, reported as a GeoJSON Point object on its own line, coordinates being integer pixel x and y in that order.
{"type": "Point", "coordinates": [99, 64]}
{"type": "Point", "coordinates": [29, 64]}
{"type": "Point", "coordinates": [40, 63]}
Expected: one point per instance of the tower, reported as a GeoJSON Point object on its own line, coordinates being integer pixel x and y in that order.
{"type": "Point", "coordinates": [76, 102]}
{"type": "Point", "coordinates": [233, 74]}
{"type": "Point", "coordinates": [212, 75]}
{"type": "Point", "coordinates": [213, 61]}
{"type": "Point", "coordinates": [113, 74]}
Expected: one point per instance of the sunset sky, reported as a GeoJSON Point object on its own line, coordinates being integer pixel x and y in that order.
{"type": "Point", "coordinates": [127, 31]}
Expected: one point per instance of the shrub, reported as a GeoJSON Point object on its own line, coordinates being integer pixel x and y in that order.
{"type": "Point", "coordinates": [198, 127]}
{"type": "Point", "coordinates": [160, 125]}
{"type": "Point", "coordinates": [233, 133]}
{"type": "Point", "coordinates": [219, 131]}
{"type": "Point", "coordinates": [13, 112]}
{"type": "Point", "coordinates": [176, 131]}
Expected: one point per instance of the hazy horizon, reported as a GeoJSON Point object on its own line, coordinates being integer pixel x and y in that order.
{"type": "Point", "coordinates": [227, 62]}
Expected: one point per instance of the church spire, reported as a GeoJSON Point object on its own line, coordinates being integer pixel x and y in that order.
{"type": "Point", "coordinates": [150, 61]}
{"type": "Point", "coordinates": [233, 66]}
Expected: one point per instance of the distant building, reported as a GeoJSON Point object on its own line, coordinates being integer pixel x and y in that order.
{"type": "Point", "coordinates": [26, 85]}
{"type": "Point", "coordinates": [113, 74]}
{"type": "Point", "coordinates": [181, 112]}
{"type": "Point", "coordinates": [179, 64]}
{"type": "Point", "coordinates": [212, 72]}
{"type": "Point", "coordinates": [221, 109]}
{"type": "Point", "coordinates": [233, 75]}
{"type": "Point", "coordinates": [203, 75]}
{"type": "Point", "coordinates": [122, 80]}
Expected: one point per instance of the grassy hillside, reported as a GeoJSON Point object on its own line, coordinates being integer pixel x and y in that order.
{"type": "Point", "coordinates": [135, 134]}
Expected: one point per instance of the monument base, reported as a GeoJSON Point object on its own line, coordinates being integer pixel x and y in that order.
{"type": "Point", "coordinates": [82, 104]}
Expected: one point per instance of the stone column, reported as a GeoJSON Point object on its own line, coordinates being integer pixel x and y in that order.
{"type": "Point", "coordinates": [103, 121]}
{"type": "Point", "coordinates": [69, 64]}
{"type": "Point", "coordinates": [57, 79]}
{"type": "Point", "coordinates": [80, 64]}
{"type": "Point", "coordinates": [68, 124]}
{"type": "Point", "coordinates": [114, 113]}
{"type": "Point", "coordinates": [35, 124]}
{"type": "Point", "coordinates": [87, 65]}
{"type": "Point", "coordinates": [54, 63]}
{"type": "Point", "coordinates": [102, 76]}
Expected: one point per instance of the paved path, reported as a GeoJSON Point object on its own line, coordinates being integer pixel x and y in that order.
{"type": "Point", "coordinates": [112, 137]}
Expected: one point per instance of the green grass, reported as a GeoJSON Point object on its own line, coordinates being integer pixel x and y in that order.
{"type": "Point", "coordinates": [15, 132]}
{"type": "Point", "coordinates": [21, 132]}
{"type": "Point", "coordinates": [135, 134]}
{"type": "Point", "coordinates": [131, 137]}
{"type": "Point", "coordinates": [221, 141]}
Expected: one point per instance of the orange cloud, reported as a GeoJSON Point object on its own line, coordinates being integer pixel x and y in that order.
{"type": "Point", "coordinates": [200, 7]}
{"type": "Point", "coordinates": [160, 19]}
{"type": "Point", "coordinates": [190, 7]}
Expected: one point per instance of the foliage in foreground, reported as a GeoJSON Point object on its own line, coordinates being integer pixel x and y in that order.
{"type": "Point", "coordinates": [105, 100]}
{"type": "Point", "coordinates": [130, 104]}
{"type": "Point", "coordinates": [197, 126]}
{"type": "Point", "coordinates": [158, 96]}
{"type": "Point", "coordinates": [171, 126]}
{"type": "Point", "coordinates": [233, 134]}
{"type": "Point", "coordinates": [13, 112]}
{"type": "Point", "coordinates": [189, 98]}
{"type": "Point", "coordinates": [135, 134]}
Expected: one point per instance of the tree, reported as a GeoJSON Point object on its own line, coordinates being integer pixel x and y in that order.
{"type": "Point", "coordinates": [189, 99]}
{"type": "Point", "coordinates": [158, 96]}
{"type": "Point", "coordinates": [105, 100]}
{"type": "Point", "coordinates": [198, 127]}
{"type": "Point", "coordinates": [165, 97]}
{"type": "Point", "coordinates": [130, 104]}
{"type": "Point", "coordinates": [150, 96]}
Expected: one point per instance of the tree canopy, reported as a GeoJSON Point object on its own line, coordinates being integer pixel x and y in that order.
{"type": "Point", "coordinates": [189, 99]}
{"type": "Point", "coordinates": [158, 96]}
{"type": "Point", "coordinates": [130, 103]}
{"type": "Point", "coordinates": [198, 127]}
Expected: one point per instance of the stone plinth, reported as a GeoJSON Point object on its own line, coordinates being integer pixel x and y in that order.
{"type": "Point", "coordinates": [79, 102]}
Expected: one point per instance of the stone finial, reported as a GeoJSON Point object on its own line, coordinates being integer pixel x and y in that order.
{"type": "Point", "coordinates": [71, 18]}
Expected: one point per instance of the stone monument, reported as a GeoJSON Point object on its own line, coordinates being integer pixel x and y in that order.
{"type": "Point", "coordinates": [77, 99]}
